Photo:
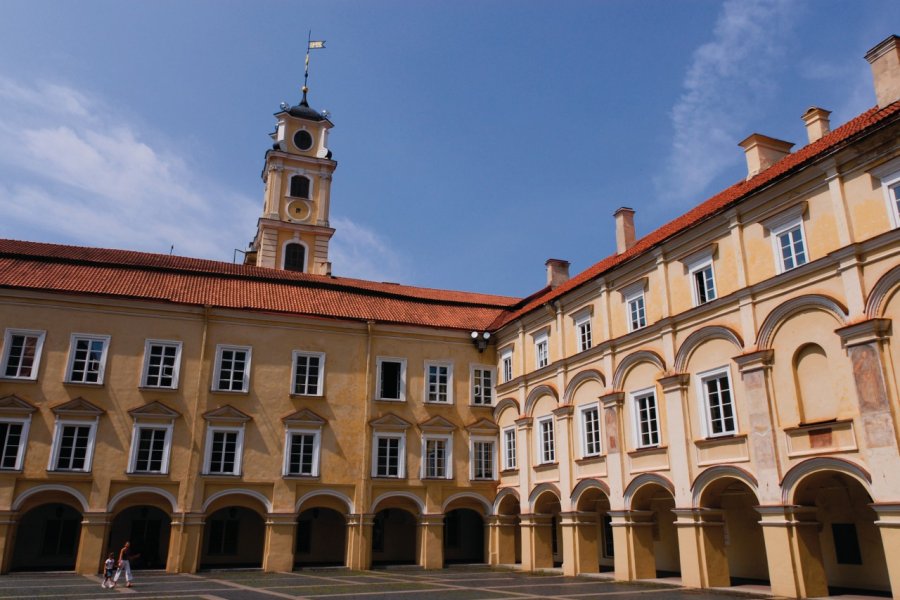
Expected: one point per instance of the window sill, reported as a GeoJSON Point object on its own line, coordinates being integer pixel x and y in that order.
{"type": "Point", "coordinates": [482, 479]}
{"type": "Point", "coordinates": [389, 399]}
{"type": "Point", "coordinates": [509, 472]}
{"type": "Point", "coordinates": [437, 403]}
{"type": "Point", "coordinates": [388, 478]}
{"type": "Point", "coordinates": [433, 479]}
{"type": "Point", "coordinates": [148, 476]}
{"type": "Point", "coordinates": [152, 389]}
{"type": "Point", "coordinates": [299, 477]}
{"type": "Point", "coordinates": [473, 405]}
{"type": "Point", "coordinates": [230, 392]}
{"type": "Point", "coordinates": [647, 450]}
{"type": "Point", "coordinates": [720, 439]}
{"type": "Point", "coordinates": [74, 475]}
{"type": "Point", "coordinates": [221, 476]}
{"type": "Point", "coordinates": [307, 396]}
{"type": "Point", "coordinates": [547, 466]}
{"type": "Point", "coordinates": [18, 379]}
{"type": "Point", "coordinates": [11, 472]}
{"type": "Point", "coordinates": [84, 384]}
{"type": "Point", "coordinates": [589, 460]}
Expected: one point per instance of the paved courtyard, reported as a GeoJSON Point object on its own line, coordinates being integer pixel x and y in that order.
{"type": "Point", "coordinates": [449, 584]}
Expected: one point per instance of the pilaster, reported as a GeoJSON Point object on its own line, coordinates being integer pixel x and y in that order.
{"type": "Point", "coordinates": [633, 543]}
{"type": "Point", "coordinates": [359, 541]}
{"type": "Point", "coordinates": [281, 529]}
{"type": "Point", "coordinates": [674, 388]}
{"type": "Point", "coordinates": [581, 543]}
{"type": "Point", "coordinates": [755, 369]}
{"type": "Point", "coordinates": [7, 539]}
{"type": "Point", "coordinates": [564, 456]}
{"type": "Point", "coordinates": [185, 543]}
{"type": "Point", "coordinates": [502, 539]}
{"type": "Point", "coordinates": [92, 543]}
{"type": "Point", "coordinates": [537, 544]}
{"type": "Point", "coordinates": [431, 541]}
{"type": "Point", "coordinates": [888, 524]}
{"type": "Point", "coordinates": [701, 547]}
{"type": "Point", "coordinates": [791, 534]}
{"type": "Point", "coordinates": [612, 421]}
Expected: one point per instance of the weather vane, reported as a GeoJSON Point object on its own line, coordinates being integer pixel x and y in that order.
{"type": "Point", "coordinates": [311, 44]}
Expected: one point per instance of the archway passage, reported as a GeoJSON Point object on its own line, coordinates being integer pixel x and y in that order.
{"type": "Point", "coordinates": [147, 528]}
{"type": "Point", "coordinates": [740, 536]}
{"type": "Point", "coordinates": [47, 539]}
{"type": "Point", "coordinates": [596, 539]}
{"type": "Point", "coordinates": [463, 537]}
{"type": "Point", "coordinates": [321, 538]}
{"type": "Point", "coordinates": [849, 549]}
{"type": "Point", "coordinates": [233, 538]}
{"type": "Point", "coordinates": [548, 534]}
{"type": "Point", "coordinates": [509, 544]}
{"type": "Point", "coordinates": [394, 537]}
{"type": "Point", "coordinates": [661, 548]}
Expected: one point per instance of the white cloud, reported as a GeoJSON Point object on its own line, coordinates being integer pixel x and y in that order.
{"type": "Point", "coordinates": [359, 252]}
{"type": "Point", "coordinates": [74, 171]}
{"type": "Point", "coordinates": [729, 80]}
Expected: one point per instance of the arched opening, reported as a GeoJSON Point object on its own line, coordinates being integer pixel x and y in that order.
{"type": "Point", "coordinates": [849, 553]}
{"type": "Point", "coordinates": [233, 537]}
{"type": "Point", "coordinates": [595, 533]}
{"type": "Point", "coordinates": [815, 394]}
{"type": "Point", "coordinates": [147, 528]}
{"type": "Point", "coordinates": [463, 537]}
{"type": "Point", "coordinates": [509, 544]}
{"type": "Point", "coordinates": [299, 186]}
{"type": "Point", "coordinates": [548, 547]}
{"type": "Point", "coordinates": [321, 538]}
{"type": "Point", "coordinates": [294, 257]}
{"type": "Point", "coordinates": [47, 539]}
{"type": "Point", "coordinates": [736, 535]}
{"type": "Point", "coordinates": [394, 537]}
{"type": "Point", "coordinates": [657, 503]}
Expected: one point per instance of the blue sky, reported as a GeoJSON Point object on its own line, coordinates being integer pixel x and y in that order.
{"type": "Point", "coordinates": [474, 140]}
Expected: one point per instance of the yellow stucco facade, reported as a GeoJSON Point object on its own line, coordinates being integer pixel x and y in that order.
{"type": "Point", "coordinates": [719, 402]}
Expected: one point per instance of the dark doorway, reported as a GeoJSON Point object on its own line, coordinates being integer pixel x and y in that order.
{"type": "Point", "coordinates": [321, 538]}
{"type": "Point", "coordinates": [463, 537]}
{"type": "Point", "coordinates": [394, 538]}
{"type": "Point", "coordinates": [233, 538]}
{"type": "Point", "coordinates": [147, 528]}
{"type": "Point", "coordinates": [47, 539]}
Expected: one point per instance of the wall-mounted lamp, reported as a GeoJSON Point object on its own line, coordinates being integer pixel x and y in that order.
{"type": "Point", "coordinates": [480, 340]}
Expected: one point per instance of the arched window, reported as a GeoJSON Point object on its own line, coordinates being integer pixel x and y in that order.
{"type": "Point", "coordinates": [299, 186]}
{"type": "Point", "coordinates": [295, 257]}
{"type": "Point", "coordinates": [818, 396]}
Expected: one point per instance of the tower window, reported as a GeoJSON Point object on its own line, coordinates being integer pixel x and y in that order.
{"type": "Point", "coordinates": [300, 186]}
{"type": "Point", "coordinates": [295, 257]}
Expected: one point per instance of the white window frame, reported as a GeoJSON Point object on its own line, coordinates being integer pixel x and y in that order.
{"type": "Point", "coordinates": [176, 368]}
{"type": "Point", "coordinates": [636, 396]}
{"type": "Point", "coordinates": [38, 351]}
{"type": "Point", "coordinates": [320, 382]}
{"type": "Point", "coordinates": [510, 461]}
{"type": "Point", "coordinates": [698, 267]}
{"type": "Point", "coordinates": [218, 370]}
{"type": "Point", "coordinates": [706, 421]}
{"type": "Point", "coordinates": [289, 433]}
{"type": "Point", "coordinates": [57, 439]}
{"type": "Point", "coordinates": [378, 362]}
{"type": "Point", "coordinates": [25, 422]}
{"type": "Point", "coordinates": [541, 357]}
{"type": "Point", "coordinates": [783, 223]}
{"type": "Point", "coordinates": [427, 391]}
{"type": "Point", "coordinates": [401, 454]}
{"type": "Point", "coordinates": [583, 324]}
{"type": "Point", "coordinates": [633, 297]}
{"type": "Point", "coordinates": [583, 430]}
{"type": "Point", "coordinates": [478, 382]}
{"type": "Point", "coordinates": [480, 439]}
{"type": "Point", "coordinates": [542, 458]}
{"type": "Point", "coordinates": [101, 371]}
{"type": "Point", "coordinates": [238, 450]}
{"type": "Point", "coordinates": [506, 365]}
{"type": "Point", "coordinates": [448, 455]}
{"type": "Point", "coordinates": [305, 252]}
{"type": "Point", "coordinates": [135, 442]}
{"type": "Point", "coordinates": [889, 175]}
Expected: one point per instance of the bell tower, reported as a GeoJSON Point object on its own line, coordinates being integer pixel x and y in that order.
{"type": "Point", "coordinates": [293, 232]}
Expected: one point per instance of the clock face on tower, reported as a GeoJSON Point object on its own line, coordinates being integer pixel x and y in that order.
{"type": "Point", "coordinates": [303, 140]}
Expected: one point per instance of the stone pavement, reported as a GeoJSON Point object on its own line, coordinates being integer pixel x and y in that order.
{"type": "Point", "coordinates": [461, 583]}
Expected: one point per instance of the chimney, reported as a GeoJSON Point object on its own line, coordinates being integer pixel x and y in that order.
{"type": "Point", "coordinates": [557, 272]}
{"type": "Point", "coordinates": [624, 229]}
{"type": "Point", "coordinates": [817, 123]}
{"type": "Point", "coordinates": [762, 152]}
{"type": "Point", "coordinates": [885, 61]}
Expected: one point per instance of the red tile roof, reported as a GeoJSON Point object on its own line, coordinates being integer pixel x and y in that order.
{"type": "Point", "coordinates": [840, 137]}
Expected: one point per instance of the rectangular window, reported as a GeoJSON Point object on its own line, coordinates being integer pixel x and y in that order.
{"type": "Point", "coordinates": [704, 283]}
{"type": "Point", "coordinates": [309, 370]}
{"type": "Point", "coordinates": [435, 453]}
{"type": "Point", "coordinates": [541, 351]}
{"type": "Point", "coordinates": [482, 459]}
{"type": "Point", "coordinates": [224, 448]}
{"type": "Point", "coordinates": [73, 447]}
{"type": "Point", "coordinates": [12, 444]}
{"type": "Point", "coordinates": [391, 384]}
{"type": "Point", "coordinates": [388, 456]}
{"type": "Point", "coordinates": [507, 365]}
{"type": "Point", "coordinates": [791, 247]}
{"type": "Point", "coordinates": [583, 330]}
{"type": "Point", "coordinates": [161, 364]}
{"type": "Point", "coordinates": [482, 386]}
{"type": "Point", "coordinates": [22, 353]}
{"type": "Point", "coordinates": [637, 315]}
{"type": "Point", "coordinates": [547, 441]}
{"type": "Point", "coordinates": [716, 391]}
{"type": "Point", "coordinates": [439, 382]}
{"type": "Point", "coordinates": [509, 449]}
{"type": "Point", "coordinates": [302, 453]}
{"type": "Point", "coordinates": [590, 431]}
{"type": "Point", "coordinates": [232, 369]}
{"type": "Point", "coordinates": [894, 194]}
{"type": "Point", "coordinates": [647, 419]}
{"type": "Point", "coordinates": [150, 450]}
{"type": "Point", "coordinates": [87, 359]}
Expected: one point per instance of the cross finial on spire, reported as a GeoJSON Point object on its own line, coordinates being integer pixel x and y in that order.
{"type": "Point", "coordinates": [310, 45]}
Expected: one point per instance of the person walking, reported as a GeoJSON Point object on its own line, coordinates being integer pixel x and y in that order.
{"type": "Point", "coordinates": [125, 558]}
{"type": "Point", "coordinates": [109, 567]}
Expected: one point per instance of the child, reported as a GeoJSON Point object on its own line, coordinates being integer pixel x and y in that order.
{"type": "Point", "coordinates": [108, 568]}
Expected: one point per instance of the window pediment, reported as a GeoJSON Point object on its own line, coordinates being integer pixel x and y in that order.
{"type": "Point", "coordinates": [695, 259]}
{"type": "Point", "coordinates": [634, 288]}
{"type": "Point", "coordinates": [226, 414]}
{"type": "Point", "coordinates": [390, 422]}
{"type": "Point", "coordinates": [14, 406]}
{"type": "Point", "coordinates": [483, 427]}
{"type": "Point", "coordinates": [155, 411]}
{"type": "Point", "coordinates": [79, 407]}
{"type": "Point", "coordinates": [436, 424]}
{"type": "Point", "coordinates": [304, 418]}
{"type": "Point", "coordinates": [785, 217]}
